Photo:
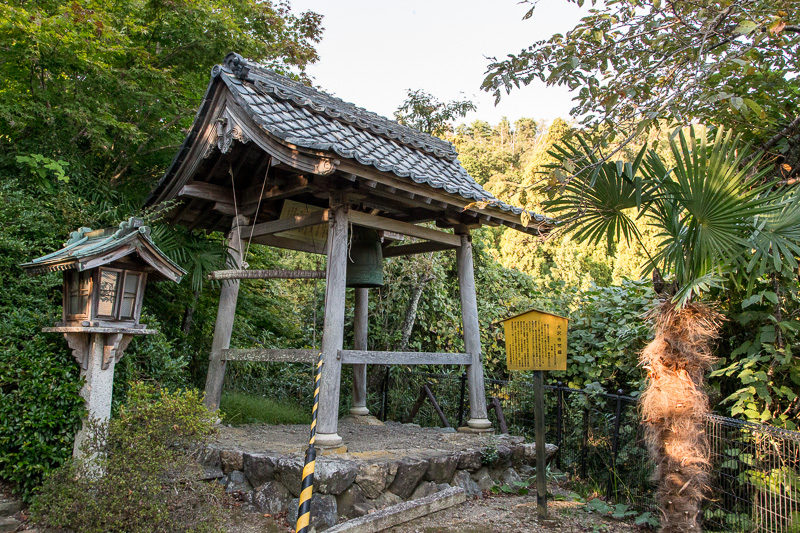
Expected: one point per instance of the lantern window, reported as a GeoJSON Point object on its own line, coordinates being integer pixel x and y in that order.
{"type": "Point", "coordinates": [77, 288]}
{"type": "Point", "coordinates": [129, 293]}
{"type": "Point", "coordinates": [107, 305]}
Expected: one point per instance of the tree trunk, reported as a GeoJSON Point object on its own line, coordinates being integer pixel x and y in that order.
{"type": "Point", "coordinates": [674, 409]}
{"type": "Point", "coordinates": [188, 316]}
{"type": "Point", "coordinates": [411, 311]}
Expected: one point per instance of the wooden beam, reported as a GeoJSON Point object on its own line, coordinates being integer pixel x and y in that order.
{"type": "Point", "coordinates": [416, 248]}
{"type": "Point", "coordinates": [288, 244]}
{"type": "Point", "coordinates": [356, 357]}
{"type": "Point", "coordinates": [271, 356]}
{"type": "Point", "coordinates": [266, 274]}
{"type": "Point", "coordinates": [360, 327]}
{"type": "Point", "coordinates": [403, 228]}
{"type": "Point", "coordinates": [276, 192]}
{"type": "Point", "coordinates": [313, 218]}
{"type": "Point", "coordinates": [333, 325]}
{"type": "Point", "coordinates": [231, 211]}
{"type": "Point", "coordinates": [206, 191]}
{"type": "Point", "coordinates": [223, 327]}
{"type": "Point", "coordinates": [472, 335]}
{"type": "Point", "coordinates": [439, 197]}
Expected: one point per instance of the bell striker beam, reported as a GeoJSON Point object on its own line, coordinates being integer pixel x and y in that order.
{"type": "Point", "coordinates": [228, 296]}
{"type": "Point", "coordinates": [333, 328]}
{"type": "Point", "coordinates": [472, 335]}
{"type": "Point", "coordinates": [361, 320]}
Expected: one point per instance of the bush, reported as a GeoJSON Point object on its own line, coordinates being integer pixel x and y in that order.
{"type": "Point", "coordinates": [137, 474]}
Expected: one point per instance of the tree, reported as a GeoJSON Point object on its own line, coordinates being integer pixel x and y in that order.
{"type": "Point", "coordinates": [716, 221]}
{"type": "Point", "coordinates": [110, 87]}
{"type": "Point", "coordinates": [637, 62]}
{"type": "Point", "coordinates": [424, 112]}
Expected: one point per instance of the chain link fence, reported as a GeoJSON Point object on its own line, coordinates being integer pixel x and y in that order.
{"type": "Point", "coordinates": [755, 468]}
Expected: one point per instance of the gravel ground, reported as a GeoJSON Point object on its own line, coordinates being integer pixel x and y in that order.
{"type": "Point", "coordinates": [513, 514]}
{"type": "Point", "coordinates": [497, 513]}
{"type": "Point", "coordinates": [358, 438]}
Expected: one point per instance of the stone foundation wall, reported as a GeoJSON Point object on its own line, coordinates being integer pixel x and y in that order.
{"type": "Point", "coordinates": [352, 485]}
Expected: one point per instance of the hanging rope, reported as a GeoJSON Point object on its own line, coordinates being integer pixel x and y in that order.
{"type": "Point", "coordinates": [258, 206]}
{"type": "Point", "coordinates": [236, 208]}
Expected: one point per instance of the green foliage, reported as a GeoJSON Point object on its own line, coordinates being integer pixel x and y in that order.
{"type": "Point", "coordinates": [489, 455]}
{"type": "Point", "coordinates": [424, 112]}
{"type": "Point", "coordinates": [758, 372]}
{"type": "Point", "coordinates": [697, 205]}
{"type": "Point", "coordinates": [110, 87]}
{"type": "Point", "coordinates": [240, 408]}
{"type": "Point", "coordinates": [727, 63]}
{"type": "Point", "coordinates": [606, 334]}
{"type": "Point", "coordinates": [137, 473]}
{"type": "Point", "coordinates": [40, 407]}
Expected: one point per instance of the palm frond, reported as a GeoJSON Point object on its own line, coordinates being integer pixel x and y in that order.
{"type": "Point", "coordinates": [715, 194]}
{"type": "Point", "coordinates": [597, 203]}
{"type": "Point", "coordinates": [776, 235]}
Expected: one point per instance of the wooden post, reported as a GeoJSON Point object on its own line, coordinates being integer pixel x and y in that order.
{"type": "Point", "coordinates": [360, 324]}
{"type": "Point", "coordinates": [541, 453]}
{"type": "Point", "coordinates": [333, 328]}
{"type": "Point", "coordinates": [472, 335]}
{"type": "Point", "coordinates": [228, 296]}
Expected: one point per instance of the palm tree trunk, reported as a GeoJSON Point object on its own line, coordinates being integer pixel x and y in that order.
{"type": "Point", "coordinates": [674, 409]}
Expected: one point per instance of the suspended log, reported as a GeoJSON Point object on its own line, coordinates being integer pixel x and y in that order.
{"type": "Point", "coordinates": [266, 274]}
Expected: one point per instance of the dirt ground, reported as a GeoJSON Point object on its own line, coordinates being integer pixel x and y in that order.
{"type": "Point", "coordinates": [513, 514]}
{"type": "Point", "coordinates": [357, 437]}
{"type": "Point", "coordinates": [497, 513]}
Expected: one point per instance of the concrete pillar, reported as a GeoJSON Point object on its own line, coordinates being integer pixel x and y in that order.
{"type": "Point", "coordinates": [333, 330]}
{"type": "Point", "coordinates": [360, 325]}
{"type": "Point", "coordinates": [223, 328]}
{"type": "Point", "coordinates": [102, 351]}
{"type": "Point", "coordinates": [472, 335]}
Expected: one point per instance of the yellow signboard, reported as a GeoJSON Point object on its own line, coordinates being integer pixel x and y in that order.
{"type": "Point", "coordinates": [536, 340]}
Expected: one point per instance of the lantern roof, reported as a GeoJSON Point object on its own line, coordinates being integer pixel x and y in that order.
{"type": "Point", "coordinates": [88, 248]}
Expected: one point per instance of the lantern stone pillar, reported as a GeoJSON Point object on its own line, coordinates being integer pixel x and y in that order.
{"type": "Point", "coordinates": [360, 325]}
{"type": "Point", "coordinates": [97, 353]}
{"type": "Point", "coordinates": [333, 329]}
{"type": "Point", "coordinates": [97, 350]}
{"type": "Point", "coordinates": [223, 327]}
{"type": "Point", "coordinates": [472, 335]}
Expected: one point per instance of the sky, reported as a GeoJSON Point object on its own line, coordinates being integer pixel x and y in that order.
{"type": "Point", "coordinates": [373, 51]}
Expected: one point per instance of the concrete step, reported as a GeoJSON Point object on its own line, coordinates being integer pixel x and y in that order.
{"type": "Point", "coordinates": [8, 524]}
{"type": "Point", "coordinates": [9, 507]}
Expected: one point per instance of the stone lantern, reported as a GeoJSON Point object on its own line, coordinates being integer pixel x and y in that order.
{"type": "Point", "coordinates": [105, 272]}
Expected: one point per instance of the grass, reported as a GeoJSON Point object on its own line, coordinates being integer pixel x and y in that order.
{"type": "Point", "coordinates": [239, 408]}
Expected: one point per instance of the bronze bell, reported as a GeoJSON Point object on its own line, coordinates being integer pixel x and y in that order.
{"type": "Point", "coordinates": [365, 259]}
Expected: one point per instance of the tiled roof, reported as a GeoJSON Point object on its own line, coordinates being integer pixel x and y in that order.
{"type": "Point", "coordinates": [85, 244]}
{"type": "Point", "coordinates": [309, 118]}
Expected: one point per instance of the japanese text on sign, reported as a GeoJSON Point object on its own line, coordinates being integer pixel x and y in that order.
{"type": "Point", "coordinates": [536, 341]}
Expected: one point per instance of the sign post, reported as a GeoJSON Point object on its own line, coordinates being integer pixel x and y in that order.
{"type": "Point", "coordinates": [537, 341]}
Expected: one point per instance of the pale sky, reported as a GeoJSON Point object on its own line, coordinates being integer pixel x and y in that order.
{"type": "Point", "coordinates": [372, 51]}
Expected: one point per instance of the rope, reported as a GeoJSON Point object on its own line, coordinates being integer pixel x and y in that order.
{"type": "Point", "coordinates": [258, 206]}
{"type": "Point", "coordinates": [307, 485]}
{"type": "Point", "coordinates": [236, 209]}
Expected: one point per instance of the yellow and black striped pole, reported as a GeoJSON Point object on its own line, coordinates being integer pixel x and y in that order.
{"type": "Point", "coordinates": [307, 485]}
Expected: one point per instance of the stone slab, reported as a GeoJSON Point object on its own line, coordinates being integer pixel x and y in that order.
{"type": "Point", "coordinates": [9, 524]}
{"type": "Point", "coordinates": [9, 507]}
{"type": "Point", "coordinates": [402, 512]}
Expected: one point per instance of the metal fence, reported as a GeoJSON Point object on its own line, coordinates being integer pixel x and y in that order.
{"type": "Point", "coordinates": [756, 468]}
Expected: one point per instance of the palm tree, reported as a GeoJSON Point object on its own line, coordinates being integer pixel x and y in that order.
{"type": "Point", "coordinates": [715, 218]}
